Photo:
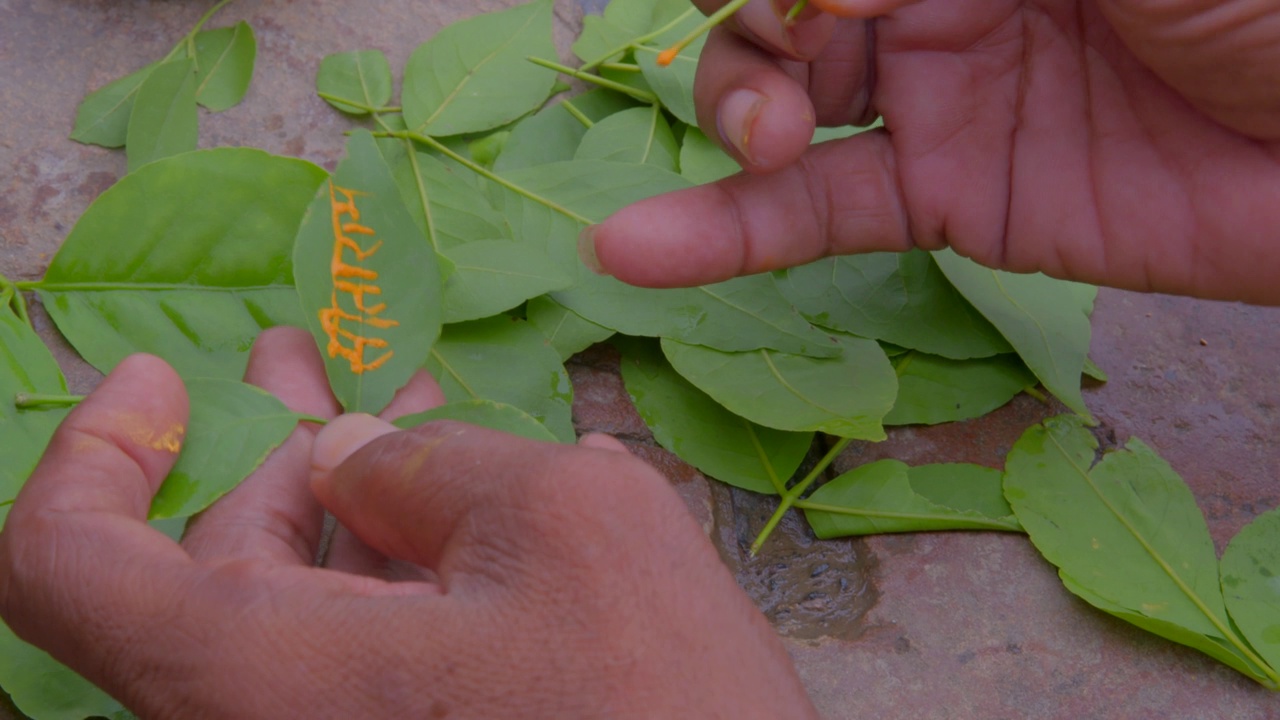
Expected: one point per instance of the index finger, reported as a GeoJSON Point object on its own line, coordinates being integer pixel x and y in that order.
{"type": "Point", "coordinates": [80, 570]}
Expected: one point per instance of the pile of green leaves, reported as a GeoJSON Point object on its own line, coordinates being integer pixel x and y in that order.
{"type": "Point", "coordinates": [473, 190]}
{"type": "Point", "coordinates": [152, 111]}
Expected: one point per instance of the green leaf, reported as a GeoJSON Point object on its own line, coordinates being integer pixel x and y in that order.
{"type": "Point", "coordinates": [567, 331]}
{"type": "Point", "coordinates": [26, 366]}
{"type": "Point", "coordinates": [902, 298]}
{"type": "Point", "coordinates": [639, 135]}
{"type": "Point", "coordinates": [572, 194]}
{"type": "Point", "coordinates": [674, 83]}
{"type": "Point", "coordinates": [553, 134]}
{"type": "Point", "coordinates": [491, 276]}
{"type": "Point", "coordinates": [934, 390]}
{"type": "Point", "coordinates": [745, 313]}
{"type": "Point", "coordinates": [1251, 584]}
{"type": "Point", "coordinates": [363, 76]}
{"type": "Point", "coordinates": [879, 498]}
{"type": "Point", "coordinates": [507, 361]}
{"type": "Point", "coordinates": [702, 161]}
{"type": "Point", "coordinates": [846, 396]}
{"type": "Point", "coordinates": [486, 148]}
{"type": "Point", "coordinates": [1125, 529]}
{"type": "Point", "coordinates": [188, 259]}
{"type": "Point", "coordinates": [484, 413]}
{"type": "Point", "coordinates": [449, 211]}
{"type": "Point", "coordinates": [641, 17]}
{"type": "Point", "coordinates": [232, 429]}
{"type": "Point", "coordinates": [598, 37]}
{"type": "Point", "coordinates": [474, 75]}
{"type": "Point", "coordinates": [224, 65]}
{"type": "Point", "coordinates": [368, 281]}
{"type": "Point", "coordinates": [701, 432]}
{"type": "Point", "coordinates": [103, 116]}
{"type": "Point", "coordinates": [1045, 320]}
{"type": "Point", "coordinates": [1091, 370]}
{"type": "Point", "coordinates": [164, 121]}
{"type": "Point", "coordinates": [44, 689]}
{"type": "Point", "coordinates": [964, 487]}
{"type": "Point", "coordinates": [1215, 648]}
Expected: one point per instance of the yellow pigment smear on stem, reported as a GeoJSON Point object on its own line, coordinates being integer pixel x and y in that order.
{"type": "Point", "coordinates": [356, 281]}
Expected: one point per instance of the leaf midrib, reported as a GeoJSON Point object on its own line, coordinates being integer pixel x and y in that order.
{"type": "Point", "coordinates": [151, 287]}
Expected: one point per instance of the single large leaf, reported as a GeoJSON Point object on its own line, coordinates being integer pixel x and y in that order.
{"type": "Point", "coordinates": [567, 331]}
{"type": "Point", "coordinates": [745, 313]}
{"type": "Point", "coordinates": [44, 689]}
{"type": "Point", "coordinates": [491, 276]}
{"type": "Point", "coordinates": [164, 121]}
{"type": "Point", "coordinates": [846, 396]}
{"type": "Point", "coordinates": [224, 65]}
{"type": "Point", "coordinates": [507, 361]}
{"type": "Point", "coordinates": [553, 133]}
{"type": "Point", "coordinates": [188, 259]}
{"type": "Point", "coordinates": [878, 498]}
{"type": "Point", "coordinates": [474, 75]}
{"type": "Point", "coordinates": [25, 367]}
{"type": "Point", "coordinates": [232, 429]}
{"type": "Point", "coordinates": [103, 116]}
{"type": "Point", "coordinates": [1045, 320]}
{"type": "Point", "coordinates": [701, 432]}
{"type": "Point", "coordinates": [1126, 529]}
{"type": "Point", "coordinates": [1251, 583]}
{"type": "Point", "coordinates": [368, 281]}
{"type": "Point", "coordinates": [902, 298]}
{"type": "Point", "coordinates": [638, 135]}
{"type": "Point", "coordinates": [484, 413]}
{"type": "Point", "coordinates": [1214, 647]}
{"type": "Point", "coordinates": [361, 76]}
{"type": "Point", "coordinates": [934, 390]}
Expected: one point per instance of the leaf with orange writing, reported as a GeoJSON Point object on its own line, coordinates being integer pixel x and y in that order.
{"type": "Point", "coordinates": [368, 279]}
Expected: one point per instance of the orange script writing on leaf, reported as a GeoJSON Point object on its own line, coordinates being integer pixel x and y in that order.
{"type": "Point", "coordinates": [358, 282]}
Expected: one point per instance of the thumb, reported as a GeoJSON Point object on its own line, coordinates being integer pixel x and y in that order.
{"type": "Point", "coordinates": [1222, 56]}
{"type": "Point", "coordinates": [440, 495]}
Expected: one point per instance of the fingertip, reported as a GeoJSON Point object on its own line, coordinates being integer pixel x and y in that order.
{"type": "Point", "coordinates": [765, 129]}
{"type": "Point", "coordinates": [860, 8]}
{"type": "Point", "coordinates": [601, 441]}
{"type": "Point", "coordinates": [339, 440]}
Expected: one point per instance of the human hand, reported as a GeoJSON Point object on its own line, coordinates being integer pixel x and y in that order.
{"type": "Point", "coordinates": [1117, 142]}
{"type": "Point", "coordinates": [533, 580]}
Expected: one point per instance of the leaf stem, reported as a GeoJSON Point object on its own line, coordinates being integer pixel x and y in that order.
{"type": "Point", "coordinates": [35, 401]}
{"type": "Point", "coordinates": [577, 114]}
{"type": "Point", "coordinates": [303, 417]}
{"type": "Point", "coordinates": [8, 503]}
{"type": "Point", "coordinates": [621, 67]}
{"type": "Point", "coordinates": [666, 56]}
{"type": "Point", "coordinates": [356, 103]}
{"type": "Point", "coordinates": [485, 173]}
{"type": "Point", "coordinates": [795, 492]}
{"type": "Point", "coordinates": [795, 11]}
{"type": "Point", "coordinates": [641, 95]}
{"type": "Point", "coordinates": [1035, 393]}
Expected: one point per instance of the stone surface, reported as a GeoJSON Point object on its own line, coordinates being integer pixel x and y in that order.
{"type": "Point", "coordinates": [961, 625]}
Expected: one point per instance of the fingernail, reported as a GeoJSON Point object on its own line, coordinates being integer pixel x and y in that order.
{"type": "Point", "coordinates": [587, 250]}
{"type": "Point", "coordinates": [736, 119]}
{"type": "Point", "coordinates": [342, 437]}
